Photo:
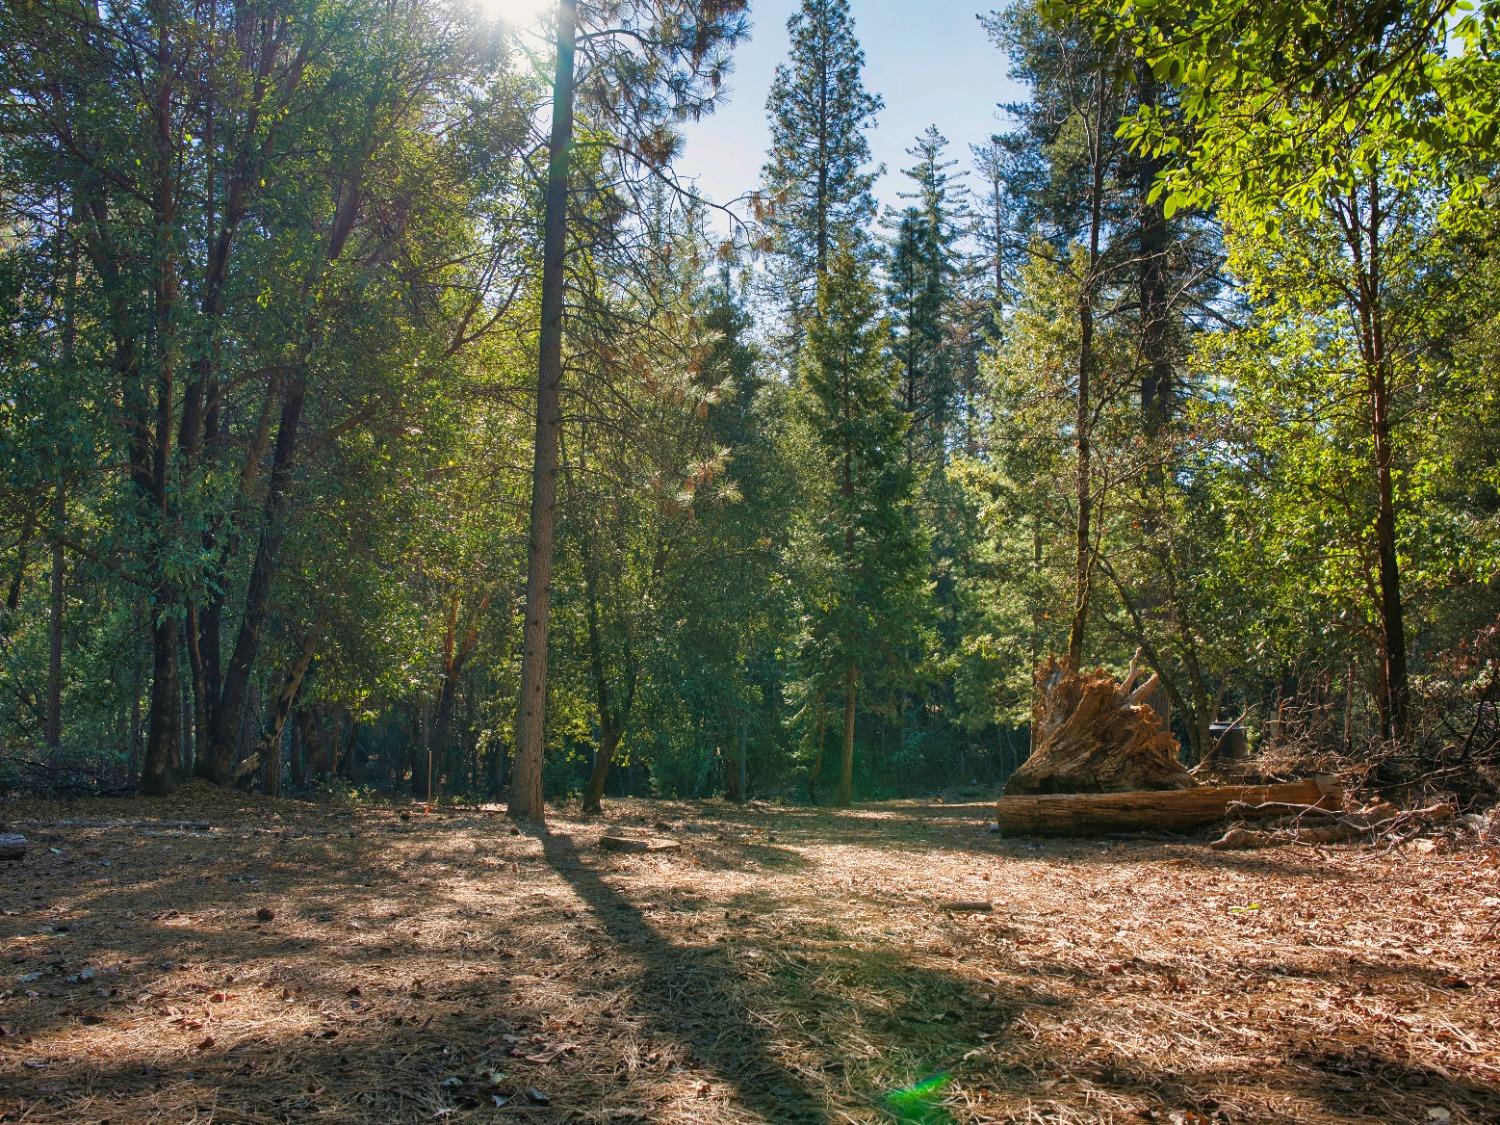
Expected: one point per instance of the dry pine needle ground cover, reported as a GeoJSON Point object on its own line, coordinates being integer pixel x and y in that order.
{"type": "Point", "coordinates": [301, 963]}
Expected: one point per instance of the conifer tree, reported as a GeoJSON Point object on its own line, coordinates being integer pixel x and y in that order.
{"type": "Point", "coordinates": [869, 537]}
{"type": "Point", "coordinates": [921, 292]}
{"type": "Point", "coordinates": [638, 67]}
{"type": "Point", "coordinates": [817, 173]}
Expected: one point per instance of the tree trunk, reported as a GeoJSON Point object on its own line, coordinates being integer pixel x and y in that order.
{"type": "Point", "coordinates": [271, 744]}
{"type": "Point", "coordinates": [817, 766]}
{"type": "Point", "coordinates": [1156, 380]}
{"type": "Point", "coordinates": [164, 711]}
{"type": "Point", "coordinates": [151, 441]}
{"type": "Point", "coordinates": [743, 763]}
{"type": "Point", "coordinates": [1087, 814]}
{"type": "Point", "coordinates": [56, 605]}
{"type": "Point", "coordinates": [348, 767]}
{"type": "Point", "coordinates": [299, 755]}
{"type": "Point", "coordinates": [846, 769]}
{"type": "Point", "coordinates": [1083, 415]}
{"type": "Point", "coordinates": [216, 760]}
{"type": "Point", "coordinates": [526, 780]}
{"type": "Point", "coordinates": [593, 793]}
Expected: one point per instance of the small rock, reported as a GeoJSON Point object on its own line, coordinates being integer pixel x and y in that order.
{"type": "Point", "coordinates": [536, 1097]}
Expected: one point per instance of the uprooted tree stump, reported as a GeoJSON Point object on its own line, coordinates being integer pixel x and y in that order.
{"type": "Point", "coordinates": [1095, 734]}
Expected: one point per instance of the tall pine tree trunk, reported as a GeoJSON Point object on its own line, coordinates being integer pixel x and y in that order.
{"type": "Point", "coordinates": [846, 769]}
{"type": "Point", "coordinates": [164, 711]}
{"type": "Point", "coordinates": [1083, 419]}
{"type": "Point", "coordinates": [526, 778]}
{"type": "Point", "coordinates": [151, 469]}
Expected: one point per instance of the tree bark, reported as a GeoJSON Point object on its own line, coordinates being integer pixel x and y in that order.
{"type": "Point", "coordinates": [526, 779]}
{"type": "Point", "coordinates": [216, 760]}
{"type": "Point", "coordinates": [57, 602]}
{"type": "Point", "coordinates": [593, 793]}
{"type": "Point", "coordinates": [164, 711]}
{"type": "Point", "coordinates": [1362, 235]}
{"type": "Point", "coordinates": [1392, 615]}
{"type": "Point", "coordinates": [817, 766]}
{"type": "Point", "coordinates": [271, 744]}
{"type": "Point", "coordinates": [1086, 814]}
{"type": "Point", "coordinates": [846, 770]}
{"type": "Point", "coordinates": [1083, 414]}
{"type": "Point", "coordinates": [1156, 379]}
{"type": "Point", "coordinates": [151, 444]}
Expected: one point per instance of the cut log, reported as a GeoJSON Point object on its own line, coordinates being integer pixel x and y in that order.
{"type": "Point", "coordinates": [1095, 734]}
{"type": "Point", "coordinates": [1088, 814]}
{"type": "Point", "coordinates": [637, 844]}
{"type": "Point", "coordinates": [12, 845]}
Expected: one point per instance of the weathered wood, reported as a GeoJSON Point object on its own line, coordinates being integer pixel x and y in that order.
{"type": "Point", "coordinates": [12, 845]}
{"type": "Point", "coordinates": [1095, 734]}
{"type": "Point", "coordinates": [1333, 827]}
{"type": "Point", "coordinates": [637, 844]}
{"type": "Point", "coordinates": [1086, 814]}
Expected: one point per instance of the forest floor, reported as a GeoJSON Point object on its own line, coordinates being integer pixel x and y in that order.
{"type": "Point", "coordinates": [298, 963]}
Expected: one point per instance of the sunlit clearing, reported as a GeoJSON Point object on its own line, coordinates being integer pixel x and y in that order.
{"type": "Point", "coordinates": [517, 13]}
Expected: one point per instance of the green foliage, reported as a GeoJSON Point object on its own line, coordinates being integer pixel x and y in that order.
{"type": "Point", "coordinates": [865, 587]}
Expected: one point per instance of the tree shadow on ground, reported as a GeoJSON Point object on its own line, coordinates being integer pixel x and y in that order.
{"type": "Point", "coordinates": [723, 1002]}
{"type": "Point", "coordinates": [451, 949]}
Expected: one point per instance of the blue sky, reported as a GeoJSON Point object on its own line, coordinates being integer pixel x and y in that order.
{"type": "Point", "coordinates": [931, 62]}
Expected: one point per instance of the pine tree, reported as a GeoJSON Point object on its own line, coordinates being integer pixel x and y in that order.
{"type": "Point", "coordinates": [633, 93]}
{"type": "Point", "coordinates": [868, 533]}
{"type": "Point", "coordinates": [816, 174]}
{"type": "Point", "coordinates": [921, 293]}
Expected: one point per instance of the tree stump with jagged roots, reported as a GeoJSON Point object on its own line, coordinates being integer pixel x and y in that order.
{"type": "Point", "coordinates": [1095, 734]}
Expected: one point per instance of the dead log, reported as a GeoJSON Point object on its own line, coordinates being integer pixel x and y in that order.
{"type": "Point", "coordinates": [637, 844]}
{"type": "Point", "coordinates": [1247, 839]}
{"type": "Point", "coordinates": [1325, 826]}
{"type": "Point", "coordinates": [1088, 814]}
{"type": "Point", "coordinates": [12, 845]}
{"type": "Point", "coordinates": [1095, 734]}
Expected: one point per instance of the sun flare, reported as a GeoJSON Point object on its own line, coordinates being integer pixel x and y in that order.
{"type": "Point", "coordinates": [517, 13]}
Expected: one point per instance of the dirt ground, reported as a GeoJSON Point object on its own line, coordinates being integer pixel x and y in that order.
{"type": "Point", "coordinates": [302, 963]}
